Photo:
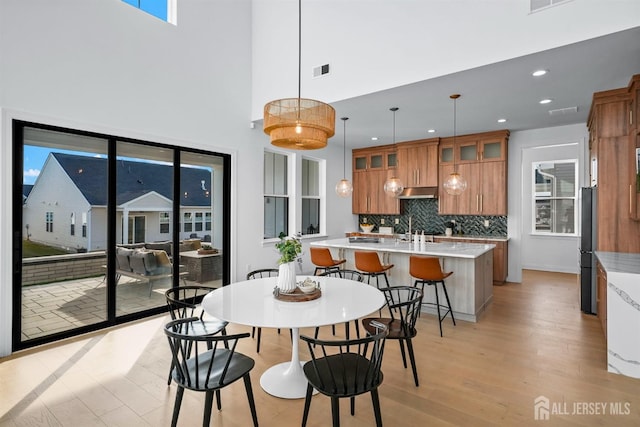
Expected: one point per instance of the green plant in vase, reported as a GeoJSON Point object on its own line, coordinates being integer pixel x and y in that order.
{"type": "Point", "coordinates": [290, 248]}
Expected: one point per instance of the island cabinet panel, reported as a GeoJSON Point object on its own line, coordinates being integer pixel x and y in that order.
{"type": "Point", "coordinates": [500, 255]}
{"type": "Point", "coordinates": [418, 163]}
{"type": "Point", "coordinates": [481, 159]}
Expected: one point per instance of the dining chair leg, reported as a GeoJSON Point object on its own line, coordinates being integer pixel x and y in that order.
{"type": "Point", "coordinates": [176, 406]}
{"type": "Point", "coordinates": [353, 405]}
{"type": "Point", "coordinates": [252, 402]}
{"type": "Point", "coordinates": [307, 405]}
{"type": "Point", "coordinates": [376, 407]}
{"type": "Point", "coordinates": [335, 411]}
{"type": "Point", "coordinates": [218, 400]}
{"type": "Point", "coordinates": [208, 402]}
{"type": "Point", "coordinates": [412, 359]}
{"type": "Point", "coordinates": [258, 343]}
{"type": "Point", "coordinates": [404, 358]}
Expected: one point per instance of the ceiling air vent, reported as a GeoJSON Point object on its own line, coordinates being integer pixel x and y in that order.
{"type": "Point", "coordinates": [562, 111]}
{"type": "Point", "coordinates": [536, 5]}
{"type": "Point", "coordinates": [320, 70]}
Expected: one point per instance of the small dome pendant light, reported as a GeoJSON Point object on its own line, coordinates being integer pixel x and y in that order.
{"type": "Point", "coordinates": [393, 186]}
{"type": "Point", "coordinates": [344, 187]}
{"type": "Point", "coordinates": [455, 184]}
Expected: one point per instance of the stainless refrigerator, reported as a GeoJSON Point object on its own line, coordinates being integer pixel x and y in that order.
{"type": "Point", "coordinates": [587, 247]}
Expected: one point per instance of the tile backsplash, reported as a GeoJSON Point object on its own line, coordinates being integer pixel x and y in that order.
{"type": "Point", "coordinates": [424, 217]}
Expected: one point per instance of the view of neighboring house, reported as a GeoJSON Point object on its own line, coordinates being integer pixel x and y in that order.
{"type": "Point", "coordinates": [75, 219]}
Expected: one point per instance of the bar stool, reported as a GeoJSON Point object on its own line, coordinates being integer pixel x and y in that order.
{"type": "Point", "coordinates": [427, 271]}
{"type": "Point", "coordinates": [324, 262]}
{"type": "Point", "coordinates": [368, 263]}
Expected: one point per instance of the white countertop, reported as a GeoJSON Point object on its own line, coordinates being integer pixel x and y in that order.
{"type": "Point", "coordinates": [444, 249]}
{"type": "Point", "coordinates": [618, 262]}
{"type": "Point", "coordinates": [470, 237]}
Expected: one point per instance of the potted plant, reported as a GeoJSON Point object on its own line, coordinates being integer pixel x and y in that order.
{"type": "Point", "coordinates": [290, 249]}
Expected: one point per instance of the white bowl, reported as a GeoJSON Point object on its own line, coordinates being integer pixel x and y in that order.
{"type": "Point", "coordinates": [366, 228]}
{"type": "Point", "coordinates": [307, 289]}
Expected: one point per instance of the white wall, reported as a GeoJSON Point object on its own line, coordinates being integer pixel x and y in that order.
{"type": "Point", "coordinates": [540, 252]}
{"type": "Point", "coordinates": [103, 66]}
{"type": "Point", "coordinates": [379, 44]}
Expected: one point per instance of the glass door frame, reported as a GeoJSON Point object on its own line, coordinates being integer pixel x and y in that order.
{"type": "Point", "coordinates": [18, 127]}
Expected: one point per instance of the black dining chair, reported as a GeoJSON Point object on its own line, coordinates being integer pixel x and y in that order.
{"type": "Point", "coordinates": [184, 302]}
{"type": "Point", "coordinates": [256, 274]}
{"type": "Point", "coordinates": [345, 368]}
{"type": "Point", "coordinates": [204, 363]}
{"type": "Point", "coordinates": [403, 306]}
{"type": "Point", "coordinates": [350, 275]}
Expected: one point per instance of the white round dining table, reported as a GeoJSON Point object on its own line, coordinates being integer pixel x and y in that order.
{"type": "Point", "coordinates": [252, 303]}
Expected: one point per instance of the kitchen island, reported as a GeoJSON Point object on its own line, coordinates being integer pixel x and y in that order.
{"type": "Point", "coordinates": [470, 287]}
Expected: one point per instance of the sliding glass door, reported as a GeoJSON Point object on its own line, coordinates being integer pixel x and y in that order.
{"type": "Point", "coordinates": [107, 225]}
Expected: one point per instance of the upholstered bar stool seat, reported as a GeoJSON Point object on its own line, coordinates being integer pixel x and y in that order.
{"type": "Point", "coordinates": [324, 262]}
{"type": "Point", "coordinates": [427, 271]}
{"type": "Point", "coordinates": [368, 263]}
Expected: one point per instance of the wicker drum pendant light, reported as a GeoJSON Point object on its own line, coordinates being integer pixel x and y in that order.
{"type": "Point", "coordinates": [455, 184]}
{"type": "Point", "coordinates": [393, 186]}
{"type": "Point", "coordinates": [299, 123]}
{"type": "Point", "coordinates": [344, 187]}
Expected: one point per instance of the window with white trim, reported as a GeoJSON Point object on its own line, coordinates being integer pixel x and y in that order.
{"type": "Point", "coordinates": [276, 195]}
{"type": "Point", "coordinates": [49, 222]}
{"type": "Point", "coordinates": [207, 221]}
{"type": "Point", "coordinates": [84, 224]}
{"type": "Point", "coordinates": [555, 192]}
{"type": "Point", "coordinates": [72, 231]}
{"type": "Point", "coordinates": [310, 196]}
{"type": "Point", "coordinates": [165, 221]}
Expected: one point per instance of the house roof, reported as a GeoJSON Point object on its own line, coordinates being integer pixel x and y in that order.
{"type": "Point", "coordinates": [134, 179]}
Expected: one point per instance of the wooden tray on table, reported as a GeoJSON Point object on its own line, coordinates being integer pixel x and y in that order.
{"type": "Point", "coordinates": [299, 296]}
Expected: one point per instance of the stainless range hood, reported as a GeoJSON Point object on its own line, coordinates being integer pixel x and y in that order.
{"type": "Point", "coordinates": [419, 193]}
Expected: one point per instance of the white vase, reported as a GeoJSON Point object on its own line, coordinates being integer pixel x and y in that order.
{"type": "Point", "coordinates": [287, 277]}
{"type": "Point", "coordinates": [448, 231]}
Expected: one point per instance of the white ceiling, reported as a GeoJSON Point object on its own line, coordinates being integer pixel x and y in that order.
{"type": "Point", "coordinates": [502, 90]}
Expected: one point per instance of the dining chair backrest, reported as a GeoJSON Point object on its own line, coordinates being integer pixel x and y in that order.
{"type": "Point", "coordinates": [263, 272]}
{"type": "Point", "coordinates": [184, 301]}
{"type": "Point", "coordinates": [344, 274]}
{"type": "Point", "coordinates": [201, 362]}
{"type": "Point", "coordinates": [343, 368]}
{"type": "Point", "coordinates": [403, 305]}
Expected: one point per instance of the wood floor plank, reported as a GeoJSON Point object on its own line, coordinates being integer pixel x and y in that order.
{"type": "Point", "coordinates": [532, 341]}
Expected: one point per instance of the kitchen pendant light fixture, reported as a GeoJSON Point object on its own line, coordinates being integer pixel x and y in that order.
{"type": "Point", "coordinates": [393, 186]}
{"type": "Point", "coordinates": [344, 187]}
{"type": "Point", "coordinates": [455, 184]}
{"type": "Point", "coordinates": [299, 123]}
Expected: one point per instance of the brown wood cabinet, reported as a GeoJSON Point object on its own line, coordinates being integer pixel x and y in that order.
{"type": "Point", "coordinates": [418, 163]}
{"type": "Point", "coordinates": [613, 139]}
{"type": "Point", "coordinates": [500, 255]}
{"type": "Point", "coordinates": [482, 160]}
{"type": "Point", "coordinates": [634, 148]}
{"type": "Point", "coordinates": [601, 296]}
{"type": "Point", "coordinates": [371, 168]}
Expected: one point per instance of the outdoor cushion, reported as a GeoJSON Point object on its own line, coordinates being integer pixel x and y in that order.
{"type": "Point", "coordinates": [143, 262]}
{"type": "Point", "coordinates": [122, 258]}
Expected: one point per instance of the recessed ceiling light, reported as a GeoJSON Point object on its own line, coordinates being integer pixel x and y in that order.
{"type": "Point", "coordinates": [374, 138]}
{"type": "Point", "coordinates": [539, 73]}
{"type": "Point", "coordinates": [431, 130]}
{"type": "Point", "coordinates": [502, 120]}
{"type": "Point", "coordinates": [546, 101]}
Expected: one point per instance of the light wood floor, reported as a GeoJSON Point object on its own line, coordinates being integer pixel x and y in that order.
{"type": "Point", "coordinates": [533, 341]}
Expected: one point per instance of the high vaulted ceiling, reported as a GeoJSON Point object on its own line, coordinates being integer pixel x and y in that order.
{"type": "Point", "coordinates": [502, 90]}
